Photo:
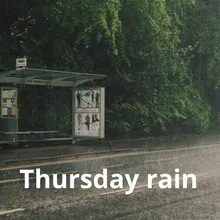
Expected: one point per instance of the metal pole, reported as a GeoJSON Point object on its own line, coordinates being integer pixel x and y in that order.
{"type": "Point", "coordinates": [73, 116]}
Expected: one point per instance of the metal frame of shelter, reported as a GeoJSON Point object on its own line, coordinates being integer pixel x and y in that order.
{"type": "Point", "coordinates": [44, 77]}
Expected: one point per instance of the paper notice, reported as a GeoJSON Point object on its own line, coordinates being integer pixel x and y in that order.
{"type": "Point", "coordinates": [5, 94]}
{"type": "Point", "coordinates": [4, 111]}
{"type": "Point", "coordinates": [14, 110]}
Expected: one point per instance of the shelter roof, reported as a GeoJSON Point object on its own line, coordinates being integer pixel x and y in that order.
{"type": "Point", "coordinates": [44, 77]}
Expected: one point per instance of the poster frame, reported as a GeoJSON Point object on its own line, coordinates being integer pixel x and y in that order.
{"type": "Point", "coordinates": [16, 102]}
{"type": "Point", "coordinates": [101, 134]}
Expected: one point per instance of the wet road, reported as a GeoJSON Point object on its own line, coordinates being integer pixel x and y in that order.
{"type": "Point", "coordinates": [144, 203]}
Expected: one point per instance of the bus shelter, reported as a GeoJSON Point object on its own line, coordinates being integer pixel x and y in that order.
{"type": "Point", "coordinates": [87, 103]}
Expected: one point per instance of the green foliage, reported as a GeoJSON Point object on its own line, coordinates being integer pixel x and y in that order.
{"type": "Point", "coordinates": [162, 57]}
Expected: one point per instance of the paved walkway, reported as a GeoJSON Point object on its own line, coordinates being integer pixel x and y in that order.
{"type": "Point", "coordinates": [95, 146]}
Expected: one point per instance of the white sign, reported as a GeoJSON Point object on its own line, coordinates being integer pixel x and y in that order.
{"type": "Point", "coordinates": [21, 62]}
{"type": "Point", "coordinates": [89, 112]}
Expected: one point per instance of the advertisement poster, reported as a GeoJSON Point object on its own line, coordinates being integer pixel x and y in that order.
{"type": "Point", "coordinates": [87, 99]}
{"type": "Point", "coordinates": [89, 112]}
{"type": "Point", "coordinates": [8, 102]}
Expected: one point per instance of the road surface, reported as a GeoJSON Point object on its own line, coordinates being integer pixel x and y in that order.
{"type": "Point", "coordinates": [19, 203]}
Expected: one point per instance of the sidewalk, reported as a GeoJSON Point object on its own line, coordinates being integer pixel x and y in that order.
{"type": "Point", "coordinates": [96, 146]}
